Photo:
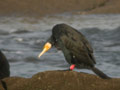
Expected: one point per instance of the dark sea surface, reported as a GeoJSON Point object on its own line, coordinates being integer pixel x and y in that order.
{"type": "Point", "coordinates": [22, 39]}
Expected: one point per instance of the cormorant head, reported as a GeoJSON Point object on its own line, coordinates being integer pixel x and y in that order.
{"type": "Point", "coordinates": [57, 31]}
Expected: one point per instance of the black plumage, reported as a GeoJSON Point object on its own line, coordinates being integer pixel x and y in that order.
{"type": "Point", "coordinates": [4, 66]}
{"type": "Point", "coordinates": [74, 45]}
{"type": "Point", "coordinates": [75, 48]}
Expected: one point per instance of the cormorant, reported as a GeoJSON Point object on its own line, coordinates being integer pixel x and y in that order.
{"type": "Point", "coordinates": [75, 47]}
{"type": "Point", "coordinates": [4, 66]}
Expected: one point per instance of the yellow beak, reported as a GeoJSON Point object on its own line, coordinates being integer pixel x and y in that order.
{"type": "Point", "coordinates": [47, 46]}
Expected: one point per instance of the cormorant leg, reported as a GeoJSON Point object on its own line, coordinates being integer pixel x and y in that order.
{"type": "Point", "coordinates": [72, 67]}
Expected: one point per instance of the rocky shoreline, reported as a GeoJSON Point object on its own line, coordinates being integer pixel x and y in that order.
{"type": "Point", "coordinates": [45, 7]}
{"type": "Point", "coordinates": [60, 80]}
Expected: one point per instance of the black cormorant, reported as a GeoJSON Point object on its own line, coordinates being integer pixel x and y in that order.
{"type": "Point", "coordinates": [75, 47]}
{"type": "Point", "coordinates": [4, 66]}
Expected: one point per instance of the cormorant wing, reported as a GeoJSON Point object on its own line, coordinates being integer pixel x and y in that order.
{"type": "Point", "coordinates": [78, 46]}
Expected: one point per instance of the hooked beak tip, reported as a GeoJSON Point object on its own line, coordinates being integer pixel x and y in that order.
{"type": "Point", "coordinates": [39, 55]}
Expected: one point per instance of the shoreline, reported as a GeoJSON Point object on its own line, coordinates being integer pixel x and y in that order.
{"type": "Point", "coordinates": [40, 8]}
{"type": "Point", "coordinates": [60, 80]}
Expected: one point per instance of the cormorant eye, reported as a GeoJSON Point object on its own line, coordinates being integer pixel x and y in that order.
{"type": "Point", "coordinates": [73, 56]}
{"type": "Point", "coordinates": [55, 39]}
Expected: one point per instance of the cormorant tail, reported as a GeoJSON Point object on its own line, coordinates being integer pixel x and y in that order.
{"type": "Point", "coordinates": [100, 73]}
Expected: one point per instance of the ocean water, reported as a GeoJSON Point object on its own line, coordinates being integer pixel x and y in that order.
{"type": "Point", "coordinates": [22, 39]}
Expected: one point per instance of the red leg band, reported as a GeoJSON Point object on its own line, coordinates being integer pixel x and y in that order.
{"type": "Point", "coordinates": [72, 66]}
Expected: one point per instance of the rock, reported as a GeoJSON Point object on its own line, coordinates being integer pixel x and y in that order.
{"type": "Point", "coordinates": [48, 7]}
{"type": "Point", "coordinates": [60, 80]}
